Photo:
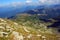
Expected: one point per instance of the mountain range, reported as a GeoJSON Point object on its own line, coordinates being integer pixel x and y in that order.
{"type": "Point", "coordinates": [51, 11]}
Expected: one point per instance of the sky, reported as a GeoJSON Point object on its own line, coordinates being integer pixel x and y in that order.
{"type": "Point", "coordinates": [9, 5]}
{"type": "Point", "coordinates": [28, 2]}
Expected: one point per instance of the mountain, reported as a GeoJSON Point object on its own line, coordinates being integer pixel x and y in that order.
{"type": "Point", "coordinates": [46, 11]}
{"type": "Point", "coordinates": [30, 24]}
{"type": "Point", "coordinates": [39, 9]}
{"type": "Point", "coordinates": [8, 11]}
{"type": "Point", "coordinates": [10, 30]}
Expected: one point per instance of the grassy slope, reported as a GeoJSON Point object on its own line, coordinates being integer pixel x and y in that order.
{"type": "Point", "coordinates": [10, 30]}
{"type": "Point", "coordinates": [34, 22]}
{"type": "Point", "coordinates": [37, 28]}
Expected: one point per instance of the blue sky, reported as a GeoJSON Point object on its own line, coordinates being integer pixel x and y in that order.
{"type": "Point", "coordinates": [16, 2]}
{"type": "Point", "coordinates": [9, 5]}
{"type": "Point", "coordinates": [33, 2]}
{"type": "Point", "coordinates": [5, 1]}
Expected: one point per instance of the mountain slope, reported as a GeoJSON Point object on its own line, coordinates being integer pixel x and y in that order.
{"type": "Point", "coordinates": [10, 30]}
{"type": "Point", "coordinates": [46, 11]}
{"type": "Point", "coordinates": [33, 22]}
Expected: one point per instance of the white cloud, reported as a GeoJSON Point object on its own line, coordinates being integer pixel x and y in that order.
{"type": "Point", "coordinates": [49, 1]}
{"type": "Point", "coordinates": [31, 2]}
{"type": "Point", "coordinates": [12, 4]}
{"type": "Point", "coordinates": [42, 1]}
{"type": "Point", "coordinates": [28, 1]}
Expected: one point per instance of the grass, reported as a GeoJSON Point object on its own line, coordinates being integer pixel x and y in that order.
{"type": "Point", "coordinates": [26, 28]}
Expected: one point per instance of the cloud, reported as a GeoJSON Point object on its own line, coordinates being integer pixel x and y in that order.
{"type": "Point", "coordinates": [49, 1]}
{"type": "Point", "coordinates": [42, 1]}
{"type": "Point", "coordinates": [31, 2]}
{"type": "Point", "coordinates": [11, 4]}
{"type": "Point", "coordinates": [28, 1]}
{"type": "Point", "coordinates": [14, 4]}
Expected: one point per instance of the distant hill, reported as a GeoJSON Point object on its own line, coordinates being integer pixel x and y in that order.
{"type": "Point", "coordinates": [40, 9]}
{"type": "Point", "coordinates": [46, 12]}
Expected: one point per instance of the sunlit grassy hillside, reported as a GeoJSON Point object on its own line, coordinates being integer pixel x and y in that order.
{"type": "Point", "coordinates": [13, 31]}
{"type": "Point", "coordinates": [36, 27]}
{"type": "Point", "coordinates": [35, 22]}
